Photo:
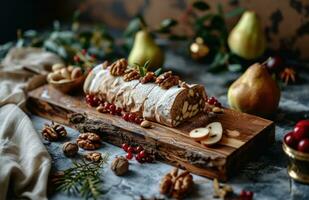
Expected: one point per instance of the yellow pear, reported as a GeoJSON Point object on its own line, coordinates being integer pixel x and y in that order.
{"type": "Point", "coordinates": [255, 92]}
{"type": "Point", "coordinates": [247, 38]}
{"type": "Point", "coordinates": [144, 49]}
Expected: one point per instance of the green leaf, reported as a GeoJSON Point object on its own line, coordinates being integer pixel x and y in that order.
{"type": "Point", "coordinates": [136, 24]}
{"type": "Point", "coordinates": [201, 20]}
{"type": "Point", "coordinates": [158, 72]}
{"type": "Point", "coordinates": [201, 5]}
{"type": "Point", "coordinates": [220, 9]}
{"type": "Point", "coordinates": [56, 25]}
{"type": "Point", "coordinates": [219, 62]}
{"type": "Point", "coordinates": [235, 12]}
{"type": "Point", "coordinates": [234, 67]}
{"type": "Point", "coordinates": [168, 23]}
{"type": "Point", "coordinates": [146, 65]}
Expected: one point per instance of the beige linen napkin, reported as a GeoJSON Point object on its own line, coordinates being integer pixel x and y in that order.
{"type": "Point", "coordinates": [24, 161]}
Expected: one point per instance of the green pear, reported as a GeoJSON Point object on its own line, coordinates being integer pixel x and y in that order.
{"type": "Point", "coordinates": [247, 38]}
{"type": "Point", "coordinates": [255, 92]}
{"type": "Point", "coordinates": [144, 49]}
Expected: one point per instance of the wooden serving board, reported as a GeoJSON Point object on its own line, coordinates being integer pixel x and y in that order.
{"type": "Point", "coordinates": [168, 144]}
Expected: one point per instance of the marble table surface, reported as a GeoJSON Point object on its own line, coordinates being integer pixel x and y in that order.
{"type": "Point", "coordinates": [266, 176]}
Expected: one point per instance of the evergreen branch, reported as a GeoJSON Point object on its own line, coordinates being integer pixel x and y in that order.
{"type": "Point", "coordinates": [83, 178]}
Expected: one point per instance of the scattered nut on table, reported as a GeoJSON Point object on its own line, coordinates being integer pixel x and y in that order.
{"type": "Point", "coordinates": [175, 184]}
{"type": "Point", "coordinates": [146, 124]}
{"type": "Point", "coordinates": [221, 191]}
{"type": "Point", "coordinates": [53, 132]}
{"type": "Point", "coordinates": [93, 156]}
{"type": "Point", "coordinates": [70, 149]}
{"type": "Point", "coordinates": [120, 165]}
{"type": "Point", "coordinates": [89, 141]}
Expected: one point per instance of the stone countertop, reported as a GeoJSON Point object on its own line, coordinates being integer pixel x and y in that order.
{"type": "Point", "coordinates": [266, 176]}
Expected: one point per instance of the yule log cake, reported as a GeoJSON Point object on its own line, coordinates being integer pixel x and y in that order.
{"type": "Point", "coordinates": [163, 99]}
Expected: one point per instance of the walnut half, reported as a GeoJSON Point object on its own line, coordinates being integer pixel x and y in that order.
{"type": "Point", "coordinates": [167, 80]}
{"type": "Point", "coordinates": [131, 74]}
{"type": "Point", "coordinates": [149, 77]}
{"type": "Point", "coordinates": [118, 67]}
{"type": "Point", "coordinates": [89, 141]}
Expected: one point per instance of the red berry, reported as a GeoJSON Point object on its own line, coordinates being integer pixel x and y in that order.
{"type": "Point", "coordinates": [76, 58]}
{"type": "Point", "coordinates": [303, 145]}
{"type": "Point", "coordinates": [92, 100]}
{"type": "Point", "coordinates": [290, 140]}
{"type": "Point", "coordinates": [130, 149]}
{"type": "Point", "coordinates": [149, 159]}
{"type": "Point", "coordinates": [125, 116]}
{"type": "Point", "coordinates": [249, 194]}
{"type": "Point", "coordinates": [106, 106]}
{"type": "Point", "coordinates": [88, 98]}
{"type": "Point", "coordinates": [142, 154]}
{"type": "Point", "coordinates": [84, 51]}
{"type": "Point", "coordinates": [212, 100]}
{"type": "Point", "coordinates": [242, 193]}
{"type": "Point", "coordinates": [132, 117]}
{"type": "Point", "coordinates": [129, 155]}
{"type": "Point", "coordinates": [304, 123]}
{"type": "Point", "coordinates": [138, 149]}
{"type": "Point", "coordinates": [125, 147]}
{"type": "Point", "coordinates": [118, 111]}
{"type": "Point", "coordinates": [139, 159]}
{"type": "Point", "coordinates": [300, 132]}
{"type": "Point", "coordinates": [112, 107]}
{"type": "Point", "coordinates": [274, 64]}
{"type": "Point", "coordinates": [217, 104]}
{"type": "Point", "coordinates": [93, 57]}
{"type": "Point", "coordinates": [138, 120]}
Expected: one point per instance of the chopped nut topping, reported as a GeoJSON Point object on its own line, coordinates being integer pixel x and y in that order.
{"type": "Point", "coordinates": [89, 141]}
{"type": "Point", "coordinates": [149, 77]}
{"type": "Point", "coordinates": [118, 67]}
{"type": "Point", "coordinates": [131, 74]}
{"type": "Point", "coordinates": [167, 80]}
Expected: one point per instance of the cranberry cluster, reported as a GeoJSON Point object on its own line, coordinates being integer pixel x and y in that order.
{"type": "Point", "coordinates": [213, 101]}
{"type": "Point", "coordinates": [141, 155]}
{"type": "Point", "coordinates": [246, 195]}
{"type": "Point", "coordinates": [131, 117]}
{"type": "Point", "coordinates": [298, 139]}
{"type": "Point", "coordinates": [94, 101]}
{"type": "Point", "coordinates": [83, 56]}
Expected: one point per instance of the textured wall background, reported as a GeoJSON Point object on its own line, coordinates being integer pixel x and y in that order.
{"type": "Point", "coordinates": [286, 22]}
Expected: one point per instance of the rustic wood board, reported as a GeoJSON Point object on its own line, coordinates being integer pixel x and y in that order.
{"type": "Point", "coordinates": [168, 144]}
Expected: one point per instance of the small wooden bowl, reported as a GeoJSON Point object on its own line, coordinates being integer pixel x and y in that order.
{"type": "Point", "coordinates": [298, 168]}
{"type": "Point", "coordinates": [66, 86]}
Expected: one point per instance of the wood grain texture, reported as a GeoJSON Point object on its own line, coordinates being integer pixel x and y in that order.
{"type": "Point", "coordinates": [168, 144]}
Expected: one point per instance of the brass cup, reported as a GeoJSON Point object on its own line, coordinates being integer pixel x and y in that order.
{"type": "Point", "coordinates": [298, 168]}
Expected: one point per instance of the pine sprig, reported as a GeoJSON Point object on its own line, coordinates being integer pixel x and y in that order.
{"type": "Point", "coordinates": [83, 178]}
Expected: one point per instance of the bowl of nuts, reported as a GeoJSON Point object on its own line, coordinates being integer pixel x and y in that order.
{"type": "Point", "coordinates": [66, 78]}
{"type": "Point", "coordinates": [296, 147]}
